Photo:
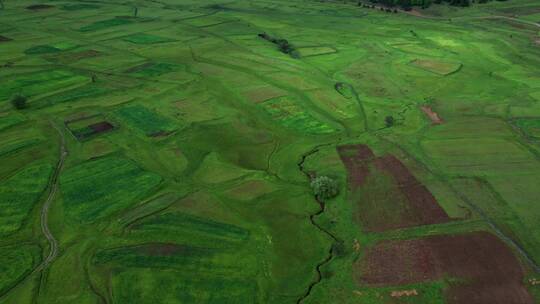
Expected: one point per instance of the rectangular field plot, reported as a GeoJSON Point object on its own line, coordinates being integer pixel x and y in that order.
{"type": "Point", "coordinates": [86, 91]}
{"type": "Point", "coordinates": [153, 69]}
{"type": "Point", "coordinates": [74, 56]}
{"type": "Point", "coordinates": [47, 49]}
{"type": "Point", "coordinates": [105, 24]}
{"type": "Point", "coordinates": [184, 227]}
{"type": "Point", "coordinates": [88, 127]}
{"type": "Point", "coordinates": [188, 273]}
{"type": "Point", "coordinates": [138, 285]}
{"type": "Point", "coordinates": [20, 193]}
{"type": "Point", "coordinates": [98, 188]}
{"type": "Point", "coordinates": [484, 268]}
{"type": "Point", "coordinates": [485, 156]}
{"type": "Point", "coordinates": [38, 83]}
{"type": "Point", "coordinates": [78, 7]}
{"type": "Point", "coordinates": [13, 145]}
{"type": "Point", "coordinates": [207, 21]}
{"type": "Point", "coordinates": [387, 196]}
{"type": "Point", "coordinates": [436, 66]}
{"type": "Point", "coordinates": [289, 114]}
{"type": "Point", "coordinates": [146, 121]}
{"type": "Point", "coordinates": [316, 50]}
{"type": "Point", "coordinates": [143, 38]}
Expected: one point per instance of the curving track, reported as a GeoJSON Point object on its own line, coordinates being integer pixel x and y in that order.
{"type": "Point", "coordinates": [53, 243]}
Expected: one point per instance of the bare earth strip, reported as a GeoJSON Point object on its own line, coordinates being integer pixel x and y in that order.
{"type": "Point", "coordinates": [53, 243]}
{"type": "Point", "coordinates": [435, 118]}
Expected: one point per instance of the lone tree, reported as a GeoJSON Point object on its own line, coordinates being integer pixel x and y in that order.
{"type": "Point", "coordinates": [389, 121]}
{"type": "Point", "coordinates": [19, 102]}
{"type": "Point", "coordinates": [324, 187]}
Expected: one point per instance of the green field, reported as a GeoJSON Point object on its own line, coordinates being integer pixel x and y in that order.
{"type": "Point", "coordinates": [164, 151]}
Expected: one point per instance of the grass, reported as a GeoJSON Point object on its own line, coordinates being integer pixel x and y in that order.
{"type": "Point", "coordinates": [315, 51]}
{"type": "Point", "coordinates": [105, 24]}
{"type": "Point", "coordinates": [531, 127]}
{"type": "Point", "coordinates": [153, 69]}
{"type": "Point", "coordinates": [291, 115]}
{"type": "Point", "coordinates": [10, 120]}
{"type": "Point", "coordinates": [201, 193]}
{"type": "Point", "coordinates": [17, 261]}
{"type": "Point", "coordinates": [20, 194]}
{"type": "Point", "coordinates": [180, 222]}
{"type": "Point", "coordinates": [98, 188]}
{"type": "Point", "coordinates": [143, 38]}
{"type": "Point", "coordinates": [437, 67]}
{"type": "Point", "coordinates": [145, 120]}
{"type": "Point", "coordinates": [47, 81]}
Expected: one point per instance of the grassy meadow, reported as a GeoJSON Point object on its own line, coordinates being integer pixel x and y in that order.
{"type": "Point", "coordinates": [190, 140]}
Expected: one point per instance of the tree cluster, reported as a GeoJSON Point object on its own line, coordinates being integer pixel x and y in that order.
{"type": "Point", "coordinates": [408, 4]}
{"type": "Point", "coordinates": [386, 9]}
{"type": "Point", "coordinates": [404, 4]}
{"type": "Point", "coordinates": [324, 187]}
{"type": "Point", "coordinates": [462, 3]}
{"type": "Point", "coordinates": [283, 45]}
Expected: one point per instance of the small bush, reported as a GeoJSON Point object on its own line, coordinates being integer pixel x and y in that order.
{"type": "Point", "coordinates": [324, 187]}
{"type": "Point", "coordinates": [389, 121]}
{"type": "Point", "coordinates": [19, 102]}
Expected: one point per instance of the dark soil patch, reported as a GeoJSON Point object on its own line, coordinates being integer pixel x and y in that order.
{"type": "Point", "coordinates": [4, 39]}
{"type": "Point", "coordinates": [387, 196]}
{"type": "Point", "coordinates": [418, 196]}
{"type": "Point", "coordinates": [159, 134]}
{"type": "Point", "coordinates": [487, 268]}
{"type": "Point", "coordinates": [75, 56]}
{"type": "Point", "coordinates": [87, 131]}
{"type": "Point", "coordinates": [39, 7]}
{"type": "Point", "coordinates": [101, 127]}
{"type": "Point", "coordinates": [163, 249]}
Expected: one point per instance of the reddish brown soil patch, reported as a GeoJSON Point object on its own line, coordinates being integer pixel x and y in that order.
{"type": "Point", "coordinates": [355, 158]}
{"type": "Point", "coordinates": [4, 39]}
{"type": "Point", "coordinates": [487, 268]}
{"type": "Point", "coordinates": [39, 6]}
{"type": "Point", "coordinates": [435, 119]}
{"type": "Point", "coordinates": [100, 127]}
{"type": "Point", "coordinates": [418, 196]}
{"type": "Point", "coordinates": [386, 194]}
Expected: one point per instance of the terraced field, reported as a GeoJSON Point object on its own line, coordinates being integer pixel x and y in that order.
{"type": "Point", "coordinates": [166, 151]}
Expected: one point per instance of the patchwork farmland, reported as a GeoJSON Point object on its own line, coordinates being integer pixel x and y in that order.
{"type": "Point", "coordinates": [182, 151]}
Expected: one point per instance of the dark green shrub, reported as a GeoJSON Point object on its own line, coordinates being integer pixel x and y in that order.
{"type": "Point", "coordinates": [19, 102]}
{"type": "Point", "coordinates": [389, 121]}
